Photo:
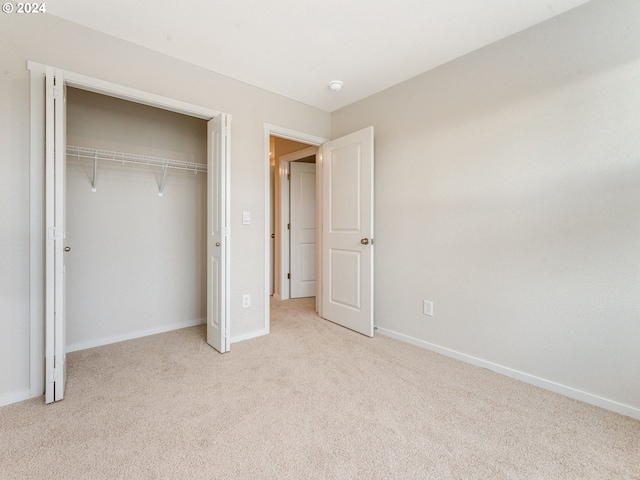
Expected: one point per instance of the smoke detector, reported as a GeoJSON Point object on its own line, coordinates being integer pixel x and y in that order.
{"type": "Point", "coordinates": [335, 85]}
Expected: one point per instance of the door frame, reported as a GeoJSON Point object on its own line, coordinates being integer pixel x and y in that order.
{"type": "Point", "coordinates": [315, 142]}
{"type": "Point", "coordinates": [285, 204]}
{"type": "Point", "coordinates": [37, 194]}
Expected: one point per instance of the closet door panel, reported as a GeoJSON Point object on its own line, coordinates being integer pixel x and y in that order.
{"type": "Point", "coordinates": [217, 233]}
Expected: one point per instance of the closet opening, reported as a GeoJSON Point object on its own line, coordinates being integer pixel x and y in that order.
{"type": "Point", "coordinates": [136, 217]}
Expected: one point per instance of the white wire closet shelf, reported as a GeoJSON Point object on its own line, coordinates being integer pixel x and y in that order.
{"type": "Point", "coordinates": [121, 157]}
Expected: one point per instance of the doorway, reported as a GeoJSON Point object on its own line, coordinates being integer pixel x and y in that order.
{"type": "Point", "coordinates": [345, 253]}
{"type": "Point", "coordinates": [293, 260]}
{"type": "Point", "coordinates": [272, 177]}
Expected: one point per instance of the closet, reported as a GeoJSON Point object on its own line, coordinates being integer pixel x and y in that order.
{"type": "Point", "coordinates": [136, 188]}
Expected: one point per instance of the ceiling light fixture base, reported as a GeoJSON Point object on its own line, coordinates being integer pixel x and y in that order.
{"type": "Point", "coordinates": [335, 85]}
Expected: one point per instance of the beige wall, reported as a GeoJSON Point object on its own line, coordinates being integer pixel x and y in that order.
{"type": "Point", "coordinates": [52, 41]}
{"type": "Point", "coordinates": [508, 192]}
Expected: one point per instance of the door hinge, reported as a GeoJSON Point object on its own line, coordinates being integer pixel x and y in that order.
{"type": "Point", "coordinates": [53, 92]}
{"type": "Point", "coordinates": [288, 226]}
{"type": "Point", "coordinates": [288, 176]}
{"type": "Point", "coordinates": [288, 276]}
{"type": "Point", "coordinates": [53, 376]}
{"type": "Point", "coordinates": [226, 231]}
{"type": "Point", "coordinates": [55, 233]}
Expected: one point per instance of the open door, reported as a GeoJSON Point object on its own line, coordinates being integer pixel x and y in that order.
{"type": "Point", "coordinates": [347, 231]}
{"type": "Point", "coordinates": [303, 229]}
{"type": "Point", "coordinates": [55, 249]}
{"type": "Point", "coordinates": [217, 233]}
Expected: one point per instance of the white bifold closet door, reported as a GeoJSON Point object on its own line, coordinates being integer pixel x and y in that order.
{"type": "Point", "coordinates": [55, 166]}
{"type": "Point", "coordinates": [218, 130]}
{"type": "Point", "coordinates": [55, 249]}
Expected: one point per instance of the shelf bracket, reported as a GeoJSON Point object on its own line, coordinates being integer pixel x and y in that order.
{"type": "Point", "coordinates": [95, 173]}
{"type": "Point", "coordinates": [164, 175]}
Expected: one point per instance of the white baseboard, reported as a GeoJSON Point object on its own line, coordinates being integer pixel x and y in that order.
{"type": "Point", "coordinates": [17, 397]}
{"type": "Point", "coordinates": [570, 392]}
{"type": "Point", "coordinates": [74, 347]}
{"type": "Point", "coordinates": [249, 336]}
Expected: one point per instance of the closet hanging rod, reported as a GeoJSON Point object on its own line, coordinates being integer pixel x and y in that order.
{"type": "Point", "coordinates": [121, 157]}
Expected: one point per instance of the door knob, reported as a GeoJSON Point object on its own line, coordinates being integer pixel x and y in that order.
{"type": "Point", "coordinates": [67, 249]}
{"type": "Point", "coordinates": [217, 244]}
{"type": "Point", "coordinates": [364, 241]}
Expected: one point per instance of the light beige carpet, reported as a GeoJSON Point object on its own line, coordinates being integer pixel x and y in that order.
{"type": "Point", "coordinates": [309, 401]}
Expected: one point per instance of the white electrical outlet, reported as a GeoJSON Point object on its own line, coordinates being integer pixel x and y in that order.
{"type": "Point", "coordinates": [246, 300]}
{"type": "Point", "coordinates": [427, 307]}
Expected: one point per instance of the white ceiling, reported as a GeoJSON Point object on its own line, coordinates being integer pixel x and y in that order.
{"type": "Point", "coordinates": [296, 47]}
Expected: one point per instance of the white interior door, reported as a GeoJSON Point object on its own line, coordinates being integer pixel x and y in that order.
{"type": "Point", "coordinates": [303, 229]}
{"type": "Point", "coordinates": [347, 231]}
{"type": "Point", "coordinates": [55, 249]}
{"type": "Point", "coordinates": [217, 233]}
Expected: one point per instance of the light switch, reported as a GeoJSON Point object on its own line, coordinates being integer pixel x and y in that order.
{"type": "Point", "coordinates": [246, 218]}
